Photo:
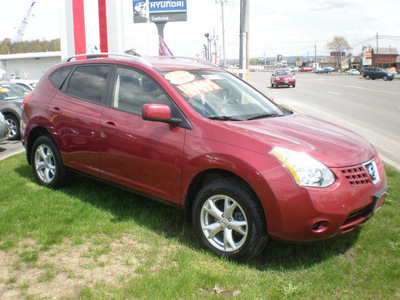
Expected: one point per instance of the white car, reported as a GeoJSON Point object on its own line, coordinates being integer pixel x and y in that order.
{"type": "Point", "coordinates": [353, 72]}
{"type": "Point", "coordinates": [3, 128]}
{"type": "Point", "coordinates": [29, 84]}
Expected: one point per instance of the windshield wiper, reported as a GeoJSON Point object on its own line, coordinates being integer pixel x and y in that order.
{"type": "Point", "coordinates": [224, 118]}
{"type": "Point", "coordinates": [264, 116]}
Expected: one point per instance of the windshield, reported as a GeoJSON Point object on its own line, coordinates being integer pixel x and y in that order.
{"type": "Point", "coordinates": [283, 73]}
{"type": "Point", "coordinates": [12, 91]}
{"type": "Point", "coordinates": [221, 96]}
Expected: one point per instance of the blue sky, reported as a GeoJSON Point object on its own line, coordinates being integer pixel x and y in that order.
{"type": "Point", "coordinates": [290, 27]}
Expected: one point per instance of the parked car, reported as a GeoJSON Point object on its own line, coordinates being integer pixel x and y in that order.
{"type": "Point", "coordinates": [3, 128]}
{"type": "Point", "coordinates": [326, 70]}
{"type": "Point", "coordinates": [376, 73]}
{"type": "Point", "coordinates": [11, 96]}
{"type": "Point", "coordinates": [197, 137]}
{"type": "Point", "coordinates": [393, 71]}
{"type": "Point", "coordinates": [29, 84]}
{"type": "Point", "coordinates": [353, 72]}
{"type": "Point", "coordinates": [282, 77]}
{"type": "Point", "coordinates": [306, 69]}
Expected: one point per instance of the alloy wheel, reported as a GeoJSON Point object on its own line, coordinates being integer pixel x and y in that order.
{"type": "Point", "coordinates": [45, 164]}
{"type": "Point", "coordinates": [224, 223]}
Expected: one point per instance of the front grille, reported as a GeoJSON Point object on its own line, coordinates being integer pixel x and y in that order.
{"type": "Point", "coordinates": [356, 219]}
{"type": "Point", "coordinates": [356, 175]}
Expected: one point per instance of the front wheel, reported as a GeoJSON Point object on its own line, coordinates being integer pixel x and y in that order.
{"type": "Point", "coordinates": [294, 85]}
{"type": "Point", "coordinates": [47, 165]}
{"type": "Point", "coordinates": [229, 220]}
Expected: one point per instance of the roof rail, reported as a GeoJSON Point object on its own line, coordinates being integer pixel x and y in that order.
{"type": "Point", "coordinates": [137, 59]}
{"type": "Point", "coordinates": [198, 60]}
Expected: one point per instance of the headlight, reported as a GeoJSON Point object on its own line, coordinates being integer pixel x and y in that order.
{"type": "Point", "coordinates": [305, 170]}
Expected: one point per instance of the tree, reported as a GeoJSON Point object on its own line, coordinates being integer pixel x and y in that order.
{"type": "Point", "coordinates": [338, 45]}
{"type": "Point", "coordinates": [7, 47]}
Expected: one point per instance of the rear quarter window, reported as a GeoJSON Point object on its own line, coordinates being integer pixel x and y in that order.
{"type": "Point", "coordinates": [88, 83]}
{"type": "Point", "coordinates": [58, 77]}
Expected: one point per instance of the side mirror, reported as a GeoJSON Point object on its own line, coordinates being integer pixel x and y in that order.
{"type": "Point", "coordinates": [158, 112]}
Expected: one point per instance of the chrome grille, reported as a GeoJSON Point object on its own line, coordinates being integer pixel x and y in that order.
{"type": "Point", "coordinates": [356, 175]}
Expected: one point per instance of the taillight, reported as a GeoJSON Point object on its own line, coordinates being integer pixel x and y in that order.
{"type": "Point", "coordinates": [26, 99]}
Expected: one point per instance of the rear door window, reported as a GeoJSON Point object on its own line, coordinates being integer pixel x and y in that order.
{"type": "Point", "coordinates": [88, 83]}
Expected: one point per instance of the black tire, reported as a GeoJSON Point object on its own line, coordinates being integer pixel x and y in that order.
{"type": "Point", "coordinates": [229, 220]}
{"type": "Point", "coordinates": [367, 77]}
{"type": "Point", "coordinates": [294, 85]}
{"type": "Point", "coordinates": [13, 127]}
{"type": "Point", "coordinates": [47, 166]}
{"type": "Point", "coordinates": [385, 78]}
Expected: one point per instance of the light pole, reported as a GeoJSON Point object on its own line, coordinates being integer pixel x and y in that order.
{"type": "Point", "coordinates": [207, 35]}
{"type": "Point", "coordinates": [223, 28]}
{"type": "Point", "coordinates": [244, 36]}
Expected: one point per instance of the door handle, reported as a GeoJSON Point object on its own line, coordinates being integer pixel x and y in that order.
{"type": "Point", "coordinates": [110, 126]}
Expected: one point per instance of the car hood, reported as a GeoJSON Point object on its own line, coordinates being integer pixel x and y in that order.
{"type": "Point", "coordinates": [331, 144]}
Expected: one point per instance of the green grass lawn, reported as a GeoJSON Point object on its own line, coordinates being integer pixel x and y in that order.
{"type": "Point", "coordinates": [94, 241]}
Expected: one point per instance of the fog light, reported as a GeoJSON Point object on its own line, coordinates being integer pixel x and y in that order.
{"type": "Point", "coordinates": [320, 226]}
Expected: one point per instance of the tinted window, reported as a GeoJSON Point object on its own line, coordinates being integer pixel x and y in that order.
{"type": "Point", "coordinates": [133, 89]}
{"type": "Point", "coordinates": [88, 82]}
{"type": "Point", "coordinates": [57, 78]}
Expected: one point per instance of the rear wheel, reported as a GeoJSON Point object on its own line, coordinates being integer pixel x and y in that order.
{"type": "Point", "coordinates": [47, 165]}
{"type": "Point", "coordinates": [367, 77]}
{"type": "Point", "coordinates": [385, 78]}
{"type": "Point", "coordinates": [229, 221]}
{"type": "Point", "coordinates": [13, 127]}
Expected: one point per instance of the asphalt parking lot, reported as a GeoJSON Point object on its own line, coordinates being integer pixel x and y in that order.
{"type": "Point", "coordinates": [10, 148]}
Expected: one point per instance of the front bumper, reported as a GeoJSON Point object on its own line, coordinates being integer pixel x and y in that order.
{"type": "Point", "coordinates": [311, 214]}
{"type": "Point", "coordinates": [285, 82]}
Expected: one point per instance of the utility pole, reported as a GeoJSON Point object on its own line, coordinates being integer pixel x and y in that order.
{"type": "Point", "coordinates": [223, 28]}
{"type": "Point", "coordinates": [244, 37]}
{"type": "Point", "coordinates": [315, 56]}
{"type": "Point", "coordinates": [377, 51]}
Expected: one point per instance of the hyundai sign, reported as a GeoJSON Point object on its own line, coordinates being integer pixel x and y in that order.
{"type": "Point", "coordinates": [159, 11]}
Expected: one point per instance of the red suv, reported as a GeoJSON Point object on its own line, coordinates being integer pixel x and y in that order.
{"type": "Point", "coordinates": [195, 136]}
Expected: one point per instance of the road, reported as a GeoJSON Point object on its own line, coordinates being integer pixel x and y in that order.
{"type": "Point", "coordinates": [368, 107]}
